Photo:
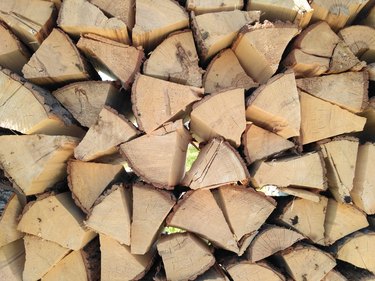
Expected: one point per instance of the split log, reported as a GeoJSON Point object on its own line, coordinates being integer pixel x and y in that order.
{"type": "Point", "coordinates": [159, 157]}
{"type": "Point", "coordinates": [175, 60]}
{"type": "Point", "coordinates": [170, 101]}
{"type": "Point", "coordinates": [30, 26]}
{"type": "Point", "coordinates": [301, 193]}
{"type": "Point", "coordinates": [43, 218]}
{"type": "Point", "coordinates": [219, 115]}
{"type": "Point", "coordinates": [77, 17]}
{"type": "Point", "coordinates": [12, 260]}
{"type": "Point", "coordinates": [247, 271]}
{"type": "Point", "coordinates": [216, 31]}
{"type": "Point", "coordinates": [215, 273]}
{"type": "Point", "coordinates": [278, 112]}
{"type": "Point", "coordinates": [259, 47]}
{"type": "Point", "coordinates": [203, 7]}
{"type": "Point", "coordinates": [218, 163]}
{"type": "Point", "coordinates": [211, 224]}
{"type": "Point", "coordinates": [174, 250]}
{"type": "Point", "coordinates": [334, 275]}
{"type": "Point", "coordinates": [35, 162]}
{"type": "Point", "coordinates": [225, 72]}
{"type": "Point", "coordinates": [57, 61]}
{"type": "Point", "coordinates": [87, 180]}
{"type": "Point", "coordinates": [150, 208]}
{"type": "Point", "coordinates": [167, 16]}
{"type": "Point", "coordinates": [245, 241]}
{"type": "Point", "coordinates": [113, 58]}
{"type": "Point", "coordinates": [343, 60]}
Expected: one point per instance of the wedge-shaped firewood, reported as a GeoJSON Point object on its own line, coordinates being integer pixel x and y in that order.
{"type": "Point", "coordinates": [176, 60]}
{"type": "Point", "coordinates": [211, 224]}
{"type": "Point", "coordinates": [244, 208]}
{"type": "Point", "coordinates": [88, 180]}
{"type": "Point", "coordinates": [167, 16]}
{"type": "Point", "coordinates": [78, 17]}
{"type": "Point", "coordinates": [169, 101]}
{"type": "Point", "coordinates": [12, 260]}
{"type": "Point", "coordinates": [248, 271]}
{"type": "Point", "coordinates": [218, 163]}
{"type": "Point", "coordinates": [150, 208]}
{"type": "Point", "coordinates": [41, 256]}
{"type": "Point", "coordinates": [270, 240]}
{"type": "Point", "coordinates": [174, 250]}
{"type": "Point", "coordinates": [159, 157]}
{"type": "Point", "coordinates": [214, 273]}
{"type": "Point", "coordinates": [30, 26]}
{"type": "Point", "coordinates": [117, 262]}
{"type": "Point", "coordinates": [343, 59]}
{"type": "Point", "coordinates": [334, 275]}
{"type": "Point", "coordinates": [220, 114]}
{"type": "Point", "coordinates": [340, 156]}
{"type": "Point", "coordinates": [337, 225]}
{"type": "Point", "coordinates": [225, 72]}
{"type": "Point", "coordinates": [35, 162]}
{"type": "Point", "coordinates": [275, 110]}
{"type": "Point", "coordinates": [321, 120]}
{"type": "Point", "coordinates": [347, 90]}
{"type": "Point", "coordinates": [216, 31]}
{"type": "Point", "coordinates": [57, 61]}
{"type": "Point", "coordinates": [305, 262]}
{"type": "Point", "coordinates": [56, 218]}
{"type": "Point", "coordinates": [301, 193]}
{"type": "Point", "coordinates": [202, 6]}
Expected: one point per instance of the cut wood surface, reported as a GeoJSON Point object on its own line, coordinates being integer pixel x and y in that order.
{"type": "Point", "coordinates": [12, 260]}
{"type": "Point", "coordinates": [343, 60]}
{"type": "Point", "coordinates": [204, 6]}
{"type": "Point", "coordinates": [248, 271]}
{"type": "Point", "coordinates": [245, 241]}
{"type": "Point", "coordinates": [334, 275]}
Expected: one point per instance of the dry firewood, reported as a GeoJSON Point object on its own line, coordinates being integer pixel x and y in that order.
{"type": "Point", "coordinates": [301, 193]}
{"type": "Point", "coordinates": [217, 164]}
{"type": "Point", "coordinates": [150, 208]}
{"type": "Point", "coordinates": [175, 60]}
{"type": "Point", "coordinates": [343, 60]}
{"type": "Point", "coordinates": [202, 6]}
{"type": "Point", "coordinates": [270, 240]}
{"type": "Point", "coordinates": [352, 272]}
{"type": "Point", "coordinates": [30, 26]}
{"type": "Point", "coordinates": [118, 60]}
{"type": "Point", "coordinates": [219, 115]}
{"type": "Point", "coordinates": [35, 162]}
{"type": "Point", "coordinates": [334, 275]}
{"type": "Point", "coordinates": [225, 72]}
{"type": "Point", "coordinates": [12, 260]}
{"type": "Point", "coordinates": [216, 31]}
{"type": "Point", "coordinates": [245, 241]}
{"type": "Point", "coordinates": [174, 250]}
{"type": "Point", "coordinates": [211, 224]}
{"type": "Point", "coordinates": [170, 101]}
{"type": "Point", "coordinates": [248, 271]}
{"type": "Point", "coordinates": [87, 180]}
{"type": "Point", "coordinates": [167, 16]}
{"type": "Point", "coordinates": [369, 20]}
{"type": "Point", "coordinates": [369, 113]}
{"type": "Point", "coordinates": [44, 217]}
{"type": "Point", "coordinates": [215, 273]}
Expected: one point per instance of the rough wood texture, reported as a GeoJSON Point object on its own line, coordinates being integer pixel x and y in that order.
{"type": "Point", "coordinates": [211, 6]}
{"type": "Point", "coordinates": [12, 260]}
{"type": "Point", "coordinates": [215, 273]}
{"type": "Point", "coordinates": [10, 209]}
{"type": "Point", "coordinates": [334, 275]}
{"type": "Point", "coordinates": [247, 271]}
{"type": "Point", "coordinates": [343, 60]}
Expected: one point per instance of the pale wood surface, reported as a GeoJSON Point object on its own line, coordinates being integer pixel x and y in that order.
{"type": "Point", "coordinates": [334, 275]}
{"type": "Point", "coordinates": [301, 193]}
{"type": "Point", "coordinates": [12, 260]}
{"type": "Point", "coordinates": [343, 60]}
{"type": "Point", "coordinates": [10, 209]}
{"type": "Point", "coordinates": [248, 271]}
{"type": "Point", "coordinates": [211, 6]}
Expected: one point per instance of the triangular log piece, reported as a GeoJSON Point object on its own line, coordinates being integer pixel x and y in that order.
{"type": "Point", "coordinates": [150, 208]}
{"type": "Point", "coordinates": [270, 240]}
{"type": "Point", "coordinates": [202, 6]}
{"type": "Point", "coordinates": [159, 157]}
{"type": "Point", "coordinates": [301, 193]}
{"type": "Point", "coordinates": [12, 261]}
{"type": "Point", "coordinates": [260, 144]}
{"type": "Point", "coordinates": [10, 209]}
{"type": "Point", "coordinates": [167, 16]}
{"type": "Point", "coordinates": [56, 218]}
{"type": "Point", "coordinates": [247, 271]}
{"type": "Point", "coordinates": [340, 157]}
{"type": "Point", "coordinates": [219, 114]}
{"type": "Point", "coordinates": [368, 133]}
{"type": "Point", "coordinates": [218, 163]}
{"type": "Point", "coordinates": [343, 60]}
{"type": "Point", "coordinates": [215, 273]}
{"type": "Point", "coordinates": [347, 90]}
{"type": "Point", "coordinates": [87, 180]}
{"type": "Point", "coordinates": [260, 59]}
{"type": "Point", "coordinates": [245, 241]}
{"type": "Point", "coordinates": [31, 27]}
{"type": "Point", "coordinates": [41, 256]}
{"type": "Point", "coordinates": [77, 17]}
{"type": "Point", "coordinates": [225, 72]}
{"type": "Point", "coordinates": [36, 162]}
{"type": "Point", "coordinates": [116, 202]}
{"type": "Point", "coordinates": [57, 61]}
{"type": "Point", "coordinates": [321, 120]}
{"type": "Point", "coordinates": [305, 262]}
{"type": "Point", "coordinates": [211, 224]}
{"type": "Point", "coordinates": [216, 31]}
{"type": "Point", "coordinates": [307, 217]}
{"type": "Point", "coordinates": [364, 182]}
{"type": "Point", "coordinates": [174, 250]}
{"type": "Point", "coordinates": [176, 60]}
{"type": "Point", "coordinates": [275, 110]}
{"type": "Point", "coordinates": [335, 275]}
{"type": "Point", "coordinates": [244, 209]}
{"type": "Point", "coordinates": [117, 60]}
{"type": "Point", "coordinates": [282, 172]}
{"type": "Point", "coordinates": [110, 130]}
{"type": "Point", "coordinates": [118, 264]}
{"type": "Point", "coordinates": [156, 101]}
{"type": "Point", "coordinates": [297, 12]}
{"type": "Point", "coordinates": [337, 223]}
